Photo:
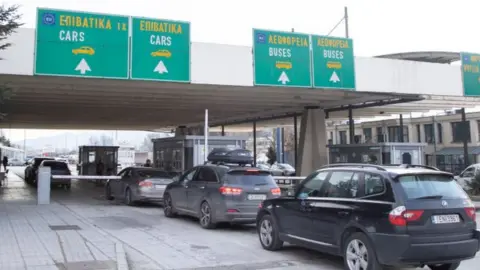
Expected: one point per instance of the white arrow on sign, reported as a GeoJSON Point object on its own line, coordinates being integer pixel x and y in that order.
{"type": "Point", "coordinates": [283, 78]}
{"type": "Point", "coordinates": [161, 68]}
{"type": "Point", "coordinates": [83, 66]}
{"type": "Point", "coordinates": [334, 78]}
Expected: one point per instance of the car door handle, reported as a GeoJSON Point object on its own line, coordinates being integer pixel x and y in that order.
{"type": "Point", "coordinates": [201, 187]}
{"type": "Point", "coordinates": [343, 213]}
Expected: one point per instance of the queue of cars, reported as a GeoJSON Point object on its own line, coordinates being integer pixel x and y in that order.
{"type": "Point", "coordinates": [370, 215]}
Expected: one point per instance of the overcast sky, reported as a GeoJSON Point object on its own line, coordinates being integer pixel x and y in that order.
{"type": "Point", "coordinates": [377, 26]}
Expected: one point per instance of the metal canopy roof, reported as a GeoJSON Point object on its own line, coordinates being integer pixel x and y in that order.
{"type": "Point", "coordinates": [79, 103]}
{"type": "Point", "coordinates": [430, 57]}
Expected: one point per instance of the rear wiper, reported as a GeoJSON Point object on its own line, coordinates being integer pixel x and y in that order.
{"type": "Point", "coordinates": [429, 197]}
{"type": "Point", "coordinates": [261, 184]}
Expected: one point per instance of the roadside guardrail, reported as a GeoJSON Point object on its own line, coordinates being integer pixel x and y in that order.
{"type": "Point", "coordinates": [87, 177]}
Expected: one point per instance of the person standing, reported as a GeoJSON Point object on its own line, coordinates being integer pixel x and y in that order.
{"type": "Point", "coordinates": [5, 163]}
{"type": "Point", "coordinates": [148, 163]}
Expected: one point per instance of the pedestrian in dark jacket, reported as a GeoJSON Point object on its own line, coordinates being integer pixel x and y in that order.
{"type": "Point", "coordinates": [148, 163]}
{"type": "Point", "coordinates": [5, 163]}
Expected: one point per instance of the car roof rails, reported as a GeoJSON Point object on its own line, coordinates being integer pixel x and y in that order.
{"type": "Point", "coordinates": [418, 166]}
{"type": "Point", "coordinates": [359, 165]}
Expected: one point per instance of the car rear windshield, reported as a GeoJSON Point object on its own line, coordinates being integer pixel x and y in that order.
{"type": "Point", "coordinates": [56, 165]}
{"type": "Point", "coordinates": [250, 178]}
{"type": "Point", "coordinates": [424, 186]}
{"type": "Point", "coordinates": [153, 174]}
{"type": "Point", "coordinates": [37, 161]}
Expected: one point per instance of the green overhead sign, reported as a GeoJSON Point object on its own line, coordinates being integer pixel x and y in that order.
{"type": "Point", "coordinates": [281, 59]}
{"type": "Point", "coordinates": [333, 62]}
{"type": "Point", "coordinates": [299, 60]}
{"type": "Point", "coordinates": [81, 44]}
{"type": "Point", "coordinates": [160, 50]}
{"type": "Point", "coordinates": [470, 74]}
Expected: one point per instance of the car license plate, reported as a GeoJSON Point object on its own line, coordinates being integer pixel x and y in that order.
{"type": "Point", "coordinates": [445, 219]}
{"type": "Point", "coordinates": [257, 197]}
{"type": "Point", "coordinates": [159, 187]}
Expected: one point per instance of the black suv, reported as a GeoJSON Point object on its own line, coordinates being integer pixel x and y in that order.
{"type": "Point", "coordinates": [376, 215]}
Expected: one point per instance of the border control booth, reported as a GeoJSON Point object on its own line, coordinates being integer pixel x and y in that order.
{"type": "Point", "coordinates": [180, 153]}
{"type": "Point", "coordinates": [90, 155]}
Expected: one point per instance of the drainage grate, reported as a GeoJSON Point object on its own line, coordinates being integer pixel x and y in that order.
{"type": "Point", "coordinates": [64, 228]}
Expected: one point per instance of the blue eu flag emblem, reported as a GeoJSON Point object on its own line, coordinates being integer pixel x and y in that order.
{"type": "Point", "coordinates": [261, 38]}
{"type": "Point", "coordinates": [48, 18]}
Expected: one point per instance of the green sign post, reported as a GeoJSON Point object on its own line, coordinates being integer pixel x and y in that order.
{"type": "Point", "coordinates": [160, 50]}
{"type": "Point", "coordinates": [281, 59]}
{"type": "Point", "coordinates": [471, 74]}
{"type": "Point", "coordinates": [81, 44]}
{"type": "Point", "coordinates": [333, 62]}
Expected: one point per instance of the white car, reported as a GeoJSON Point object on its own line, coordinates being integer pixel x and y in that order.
{"type": "Point", "coordinates": [467, 175]}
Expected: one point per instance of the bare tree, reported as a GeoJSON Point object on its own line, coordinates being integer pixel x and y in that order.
{"type": "Point", "coordinates": [9, 23]}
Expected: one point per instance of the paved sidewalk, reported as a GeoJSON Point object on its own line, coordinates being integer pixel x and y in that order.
{"type": "Point", "coordinates": [49, 237]}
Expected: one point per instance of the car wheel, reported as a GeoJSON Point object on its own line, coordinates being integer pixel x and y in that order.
{"type": "Point", "coordinates": [206, 216]}
{"type": "Point", "coordinates": [448, 266]}
{"type": "Point", "coordinates": [168, 206]}
{"type": "Point", "coordinates": [128, 197]}
{"type": "Point", "coordinates": [358, 253]}
{"type": "Point", "coordinates": [108, 193]}
{"type": "Point", "coordinates": [268, 234]}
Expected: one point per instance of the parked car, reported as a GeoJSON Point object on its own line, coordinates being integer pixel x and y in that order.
{"type": "Point", "coordinates": [282, 169]}
{"type": "Point", "coordinates": [219, 193]}
{"type": "Point", "coordinates": [138, 184]}
{"type": "Point", "coordinates": [15, 162]}
{"type": "Point", "coordinates": [468, 175]}
{"type": "Point", "coordinates": [57, 168]}
{"type": "Point", "coordinates": [376, 215]}
{"type": "Point", "coordinates": [31, 170]}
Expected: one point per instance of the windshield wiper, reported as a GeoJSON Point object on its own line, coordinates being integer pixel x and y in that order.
{"type": "Point", "coordinates": [430, 197]}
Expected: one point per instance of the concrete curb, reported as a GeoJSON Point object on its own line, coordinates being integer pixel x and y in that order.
{"type": "Point", "coordinates": [122, 263]}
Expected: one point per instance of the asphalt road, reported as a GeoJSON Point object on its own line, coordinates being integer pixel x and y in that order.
{"type": "Point", "coordinates": [154, 242]}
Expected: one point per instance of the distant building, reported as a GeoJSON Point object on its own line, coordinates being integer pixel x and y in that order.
{"type": "Point", "coordinates": [442, 133]}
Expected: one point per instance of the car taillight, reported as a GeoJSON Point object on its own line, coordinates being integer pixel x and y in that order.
{"type": "Point", "coordinates": [145, 184]}
{"type": "Point", "coordinates": [471, 212]}
{"type": "Point", "coordinates": [230, 190]}
{"type": "Point", "coordinates": [276, 191]}
{"type": "Point", "coordinates": [400, 216]}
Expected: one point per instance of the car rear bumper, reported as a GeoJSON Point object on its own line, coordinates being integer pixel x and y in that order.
{"type": "Point", "coordinates": [398, 250]}
{"type": "Point", "coordinates": [150, 195]}
{"type": "Point", "coordinates": [61, 181]}
{"type": "Point", "coordinates": [239, 217]}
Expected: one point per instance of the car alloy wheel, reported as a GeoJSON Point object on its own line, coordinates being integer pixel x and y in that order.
{"type": "Point", "coordinates": [266, 233]}
{"type": "Point", "coordinates": [357, 255]}
{"type": "Point", "coordinates": [206, 216]}
{"type": "Point", "coordinates": [128, 197]}
{"type": "Point", "coordinates": [167, 206]}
